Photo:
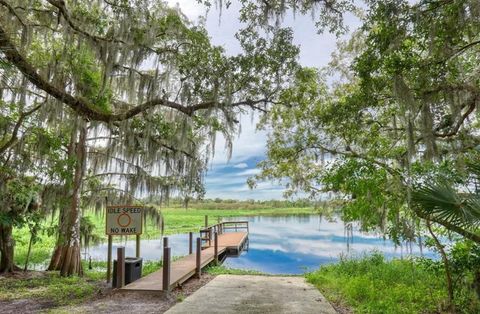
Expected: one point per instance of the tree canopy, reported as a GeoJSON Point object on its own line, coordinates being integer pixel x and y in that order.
{"type": "Point", "coordinates": [121, 99]}
{"type": "Point", "coordinates": [405, 112]}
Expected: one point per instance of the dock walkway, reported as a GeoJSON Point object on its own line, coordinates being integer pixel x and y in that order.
{"type": "Point", "coordinates": [185, 267]}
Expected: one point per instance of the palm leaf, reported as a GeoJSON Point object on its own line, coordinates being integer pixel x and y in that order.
{"type": "Point", "coordinates": [441, 200]}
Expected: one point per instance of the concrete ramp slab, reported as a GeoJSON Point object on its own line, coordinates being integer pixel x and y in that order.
{"type": "Point", "coordinates": [255, 294]}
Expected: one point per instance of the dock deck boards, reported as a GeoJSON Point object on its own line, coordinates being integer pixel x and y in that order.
{"type": "Point", "coordinates": [184, 268]}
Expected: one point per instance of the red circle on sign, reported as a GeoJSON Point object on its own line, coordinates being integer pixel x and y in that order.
{"type": "Point", "coordinates": [129, 220]}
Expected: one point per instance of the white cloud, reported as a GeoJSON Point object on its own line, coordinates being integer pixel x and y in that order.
{"type": "Point", "coordinates": [221, 180]}
{"type": "Point", "coordinates": [248, 172]}
{"type": "Point", "coordinates": [188, 7]}
{"type": "Point", "coordinates": [249, 143]}
{"type": "Point", "coordinates": [264, 191]}
{"type": "Point", "coordinates": [241, 165]}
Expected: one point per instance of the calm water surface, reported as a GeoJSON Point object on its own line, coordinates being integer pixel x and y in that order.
{"type": "Point", "coordinates": [290, 244]}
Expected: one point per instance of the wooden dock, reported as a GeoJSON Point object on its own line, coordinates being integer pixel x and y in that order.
{"type": "Point", "coordinates": [228, 243]}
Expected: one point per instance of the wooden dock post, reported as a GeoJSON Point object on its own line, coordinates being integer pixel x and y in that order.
{"type": "Point", "coordinates": [206, 221]}
{"type": "Point", "coordinates": [166, 269]}
{"type": "Point", "coordinates": [120, 267]}
{"type": "Point", "coordinates": [165, 242]}
{"type": "Point", "coordinates": [137, 247]}
{"type": "Point", "coordinates": [216, 248]}
{"type": "Point", "coordinates": [210, 237]}
{"type": "Point", "coordinates": [109, 259]}
{"type": "Point", "coordinates": [190, 243]}
{"type": "Point", "coordinates": [198, 259]}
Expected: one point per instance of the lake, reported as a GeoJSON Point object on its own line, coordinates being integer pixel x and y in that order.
{"type": "Point", "coordinates": [290, 244]}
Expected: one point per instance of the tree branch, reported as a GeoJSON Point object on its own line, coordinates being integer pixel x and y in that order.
{"type": "Point", "coordinates": [112, 4]}
{"type": "Point", "coordinates": [459, 124]}
{"type": "Point", "coordinates": [85, 109]}
{"type": "Point", "coordinates": [13, 12]}
{"type": "Point", "coordinates": [462, 49]}
{"type": "Point", "coordinates": [62, 9]}
{"type": "Point", "coordinates": [353, 154]}
{"type": "Point", "coordinates": [16, 128]}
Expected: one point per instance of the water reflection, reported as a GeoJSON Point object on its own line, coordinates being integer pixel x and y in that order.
{"type": "Point", "coordinates": [150, 249]}
{"type": "Point", "coordinates": [295, 244]}
{"type": "Point", "coordinates": [284, 244]}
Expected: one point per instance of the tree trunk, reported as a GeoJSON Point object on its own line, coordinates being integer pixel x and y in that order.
{"type": "Point", "coordinates": [30, 243]}
{"type": "Point", "coordinates": [7, 245]}
{"type": "Point", "coordinates": [476, 282]}
{"type": "Point", "coordinates": [66, 257]}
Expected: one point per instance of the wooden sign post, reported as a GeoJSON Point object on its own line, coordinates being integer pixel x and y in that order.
{"type": "Point", "coordinates": [122, 220]}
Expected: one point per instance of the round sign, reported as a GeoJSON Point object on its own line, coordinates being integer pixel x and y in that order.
{"type": "Point", "coordinates": [124, 220]}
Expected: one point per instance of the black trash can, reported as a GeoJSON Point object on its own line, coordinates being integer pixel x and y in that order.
{"type": "Point", "coordinates": [133, 270]}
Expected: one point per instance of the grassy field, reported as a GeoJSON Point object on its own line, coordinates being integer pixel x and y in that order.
{"type": "Point", "coordinates": [178, 220]}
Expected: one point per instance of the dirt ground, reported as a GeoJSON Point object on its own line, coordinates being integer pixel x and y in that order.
{"type": "Point", "coordinates": [24, 305]}
{"type": "Point", "coordinates": [110, 301]}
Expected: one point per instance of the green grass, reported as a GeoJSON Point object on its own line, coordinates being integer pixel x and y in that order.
{"type": "Point", "coordinates": [374, 285]}
{"type": "Point", "coordinates": [222, 270]}
{"type": "Point", "coordinates": [62, 290]}
{"type": "Point", "coordinates": [50, 286]}
{"type": "Point", "coordinates": [41, 250]}
{"type": "Point", "coordinates": [54, 288]}
{"type": "Point", "coordinates": [99, 270]}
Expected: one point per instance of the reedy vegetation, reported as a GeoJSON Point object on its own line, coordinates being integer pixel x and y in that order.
{"type": "Point", "coordinates": [372, 284]}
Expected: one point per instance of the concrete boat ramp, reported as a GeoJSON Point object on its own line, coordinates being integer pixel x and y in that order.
{"type": "Point", "coordinates": [255, 294]}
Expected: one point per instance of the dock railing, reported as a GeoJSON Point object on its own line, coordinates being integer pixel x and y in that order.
{"type": "Point", "coordinates": [216, 242]}
{"type": "Point", "coordinates": [206, 234]}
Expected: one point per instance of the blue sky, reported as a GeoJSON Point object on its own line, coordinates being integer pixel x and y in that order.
{"type": "Point", "coordinates": [226, 177]}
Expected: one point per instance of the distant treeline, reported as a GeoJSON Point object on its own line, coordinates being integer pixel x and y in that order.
{"type": "Point", "coordinates": [219, 203]}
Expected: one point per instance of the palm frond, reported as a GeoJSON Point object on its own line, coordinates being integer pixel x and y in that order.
{"type": "Point", "coordinates": [441, 200]}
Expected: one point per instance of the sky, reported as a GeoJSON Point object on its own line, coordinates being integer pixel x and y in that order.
{"type": "Point", "coordinates": [226, 177]}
